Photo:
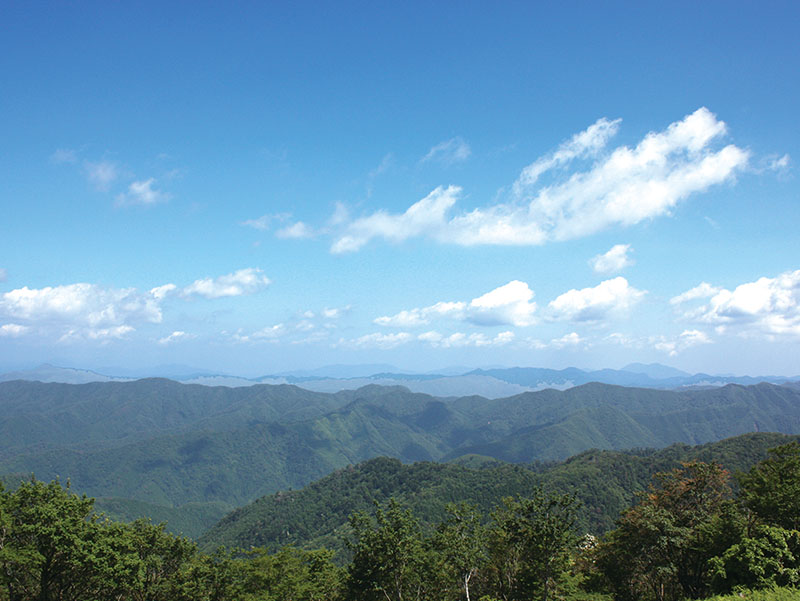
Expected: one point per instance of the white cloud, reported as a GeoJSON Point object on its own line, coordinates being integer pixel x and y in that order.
{"type": "Point", "coordinates": [571, 339]}
{"type": "Point", "coordinates": [422, 217]}
{"type": "Point", "coordinates": [378, 340]}
{"type": "Point", "coordinates": [510, 304]}
{"type": "Point", "coordinates": [175, 336]}
{"type": "Point", "coordinates": [768, 306]}
{"type": "Point", "coordinates": [269, 332]}
{"type": "Point", "coordinates": [621, 188]}
{"type": "Point", "coordinates": [3, 275]}
{"type": "Point", "coordinates": [616, 259]}
{"type": "Point", "coordinates": [261, 223]}
{"type": "Point", "coordinates": [13, 330]}
{"type": "Point", "coordinates": [161, 292]}
{"type": "Point", "coordinates": [101, 174]}
{"type": "Point", "coordinates": [102, 335]}
{"type": "Point", "coordinates": [460, 339]}
{"type": "Point", "coordinates": [584, 144]}
{"type": "Point", "coordinates": [594, 304]}
{"type": "Point", "coordinates": [83, 304]}
{"type": "Point", "coordinates": [687, 338]}
{"type": "Point", "coordinates": [405, 319]}
{"type": "Point", "coordinates": [142, 193]}
{"type": "Point", "coordinates": [779, 163]}
{"type": "Point", "coordinates": [244, 281]}
{"type": "Point", "coordinates": [335, 312]}
{"type": "Point", "coordinates": [449, 152]}
{"type": "Point", "coordinates": [296, 230]}
{"type": "Point", "coordinates": [702, 290]}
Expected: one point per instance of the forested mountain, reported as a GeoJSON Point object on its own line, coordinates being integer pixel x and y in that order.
{"type": "Point", "coordinates": [606, 482]}
{"type": "Point", "coordinates": [192, 452]}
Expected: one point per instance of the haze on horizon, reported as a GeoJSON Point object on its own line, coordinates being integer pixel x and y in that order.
{"type": "Point", "coordinates": [272, 188]}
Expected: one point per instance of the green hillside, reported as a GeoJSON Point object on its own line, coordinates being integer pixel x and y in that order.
{"type": "Point", "coordinates": [194, 451]}
{"type": "Point", "coordinates": [605, 481]}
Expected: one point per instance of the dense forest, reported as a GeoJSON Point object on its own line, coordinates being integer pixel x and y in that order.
{"type": "Point", "coordinates": [695, 532]}
{"type": "Point", "coordinates": [188, 454]}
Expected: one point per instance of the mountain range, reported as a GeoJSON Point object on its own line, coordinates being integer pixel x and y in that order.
{"type": "Point", "coordinates": [190, 453]}
{"type": "Point", "coordinates": [487, 382]}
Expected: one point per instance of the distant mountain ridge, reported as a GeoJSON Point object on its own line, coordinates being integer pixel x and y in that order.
{"type": "Point", "coordinates": [491, 383]}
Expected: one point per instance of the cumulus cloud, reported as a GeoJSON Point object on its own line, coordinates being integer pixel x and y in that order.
{"type": "Point", "coordinates": [142, 193]}
{"type": "Point", "coordinates": [460, 339]}
{"type": "Point", "coordinates": [13, 330]}
{"type": "Point", "coordinates": [243, 281]}
{"type": "Point", "coordinates": [620, 188]}
{"type": "Point", "coordinates": [571, 339]}
{"type": "Point", "coordinates": [616, 259]}
{"type": "Point", "coordinates": [510, 304]}
{"type": "Point", "coordinates": [597, 303]}
{"type": "Point", "coordinates": [78, 311]}
{"type": "Point", "coordinates": [686, 339]}
{"type": "Point", "coordinates": [86, 304]}
{"type": "Point", "coordinates": [449, 152]}
{"type": "Point", "coordinates": [768, 306]}
{"type": "Point", "coordinates": [101, 174]}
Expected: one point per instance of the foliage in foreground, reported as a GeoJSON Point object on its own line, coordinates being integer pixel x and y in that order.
{"type": "Point", "coordinates": [688, 537]}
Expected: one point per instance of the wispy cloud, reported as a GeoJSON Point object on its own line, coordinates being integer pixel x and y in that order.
{"type": "Point", "coordinates": [3, 275]}
{"type": "Point", "coordinates": [101, 174]}
{"type": "Point", "coordinates": [176, 336]}
{"type": "Point", "coordinates": [582, 145]}
{"type": "Point", "coordinates": [423, 217]}
{"type": "Point", "coordinates": [142, 193]}
{"type": "Point", "coordinates": [377, 340]}
{"type": "Point", "coordinates": [613, 261]}
{"type": "Point", "coordinates": [449, 152]}
{"type": "Point", "coordinates": [64, 155]}
{"type": "Point", "coordinates": [13, 330]}
{"type": "Point", "coordinates": [297, 230]}
{"type": "Point", "coordinates": [621, 188]}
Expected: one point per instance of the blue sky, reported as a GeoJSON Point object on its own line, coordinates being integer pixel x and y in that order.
{"type": "Point", "coordinates": [262, 187]}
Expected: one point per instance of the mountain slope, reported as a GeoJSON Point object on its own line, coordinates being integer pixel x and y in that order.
{"type": "Point", "coordinates": [605, 481]}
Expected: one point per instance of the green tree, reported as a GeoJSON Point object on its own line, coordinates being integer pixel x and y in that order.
{"type": "Point", "coordinates": [292, 574]}
{"type": "Point", "coordinates": [461, 541]}
{"type": "Point", "coordinates": [661, 548]}
{"type": "Point", "coordinates": [390, 558]}
{"type": "Point", "coordinates": [164, 559]}
{"type": "Point", "coordinates": [530, 542]}
{"type": "Point", "coordinates": [771, 489]}
{"type": "Point", "coordinates": [55, 547]}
